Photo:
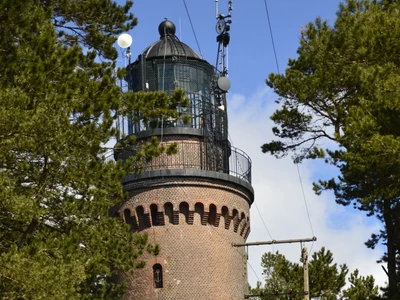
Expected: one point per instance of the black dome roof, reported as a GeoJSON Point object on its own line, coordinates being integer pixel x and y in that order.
{"type": "Point", "coordinates": [169, 44]}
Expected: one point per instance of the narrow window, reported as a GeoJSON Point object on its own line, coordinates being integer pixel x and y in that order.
{"type": "Point", "coordinates": [198, 212]}
{"type": "Point", "coordinates": [169, 212]}
{"type": "Point", "coordinates": [225, 214]}
{"type": "Point", "coordinates": [155, 220]}
{"type": "Point", "coordinates": [157, 276]}
{"type": "Point", "coordinates": [235, 214]}
{"type": "Point", "coordinates": [184, 211]}
{"type": "Point", "coordinates": [140, 217]}
{"type": "Point", "coordinates": [127, 216]}
{"type": "Point", "coordinates": [212, 215]}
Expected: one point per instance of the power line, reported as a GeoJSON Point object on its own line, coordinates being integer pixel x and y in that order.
{"type": "Point", "coordinates": [265, 226]}
{"type": "Point", "coordinates": [298, 170]}
{"type": "Point", "coordinates": [304, 198]}
{"type": "Point", "coordinates": [305, 203]}
{"type": "Point", "coordinates": [258, 278]}
{"type": "Point", "coordinates": [272, 36]}
{"type": "Point", "coordinates": [191, 24]}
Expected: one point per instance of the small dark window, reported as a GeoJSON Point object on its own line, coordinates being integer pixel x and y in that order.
{"type": "Point", "coordinates": [212, 215]}
{"type": "Point", "coordinates": [235, 214]}
{"type": "Point", "coordinates": [155, 220]}
{"type": "Point", "coordinates": [157, 276]}
{"type": "Point", "coordinates": [198, 211]}
{"type": "Point", "coordinates": [169, 212]}
{"type": "Point", "coordinates": [127, 216]}
{"type": "Point", "coordinates": [184, 210]}
{"type": "Point", "coordinates": [140, 216]}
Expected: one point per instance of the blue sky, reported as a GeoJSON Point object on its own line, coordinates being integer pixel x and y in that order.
{"type": "Point", "coordinates": [251, 57]}
{"type": "Point", "coordinates": [250, 103]}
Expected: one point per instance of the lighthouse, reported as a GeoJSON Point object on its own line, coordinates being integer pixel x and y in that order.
{"type": "Point", "coordinates": [194, 204]}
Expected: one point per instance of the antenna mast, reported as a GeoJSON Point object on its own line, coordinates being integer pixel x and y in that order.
{"type": "Point", "coordinates": [223, 38]}
{"type": "Point", "coordinates": [222, 28]}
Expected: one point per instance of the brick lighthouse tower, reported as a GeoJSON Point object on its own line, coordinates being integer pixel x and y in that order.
{"type": "Point", "coordinates": [193, 204]}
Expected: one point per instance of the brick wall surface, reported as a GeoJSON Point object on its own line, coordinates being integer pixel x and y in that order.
{"type": "Point", "coordinates": [197, 258]}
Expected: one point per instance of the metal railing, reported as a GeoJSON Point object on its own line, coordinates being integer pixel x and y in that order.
{"type": "Point", "coordinates": [199, 155]}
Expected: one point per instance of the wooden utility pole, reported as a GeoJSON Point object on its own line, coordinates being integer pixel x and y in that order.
{"type": "Point", "coordinates": [304, 253]}
{"type": "Point", "coordinates": [305, 269]}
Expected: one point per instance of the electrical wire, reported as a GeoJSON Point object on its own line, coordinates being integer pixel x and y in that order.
{"type": "Point", "coordinates": [191, 24]}
{"type": "Point", "coordinates": [251, 267]}
{"type": "Point", "coordinates": [306, 205]}
{"type": "Point", "coordinates": [298, 169]}
{"type": "Point", "coordinates": [265, 226]}
{"type": "Point", "coordinates": [272, 36]}
{"type": "Point", "coordinates": [304, 198]}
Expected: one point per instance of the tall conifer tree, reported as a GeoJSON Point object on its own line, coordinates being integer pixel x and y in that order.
{"type": "Point", "coordinates": [344, 87]}
{"type": "Point", "coordinates": [58, 105]}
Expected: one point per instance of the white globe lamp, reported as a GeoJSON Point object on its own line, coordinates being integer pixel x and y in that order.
{"type": "Point", "coordinates": [124, 40]}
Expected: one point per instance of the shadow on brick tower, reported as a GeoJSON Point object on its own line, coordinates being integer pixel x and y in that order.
{"type": "Point", "coordinates": [195, 203]}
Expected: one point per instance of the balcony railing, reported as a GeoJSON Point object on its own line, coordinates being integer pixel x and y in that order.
{"type": "Point", "coordinates": [216, 157]}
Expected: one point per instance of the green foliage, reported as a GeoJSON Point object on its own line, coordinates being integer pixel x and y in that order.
{"type": "Point", "coordinates": [91, 23]}
{"type": "Point", "coordinates": [326, 279]}
{"type": "Point", "coordinates": [344, 88]}
{"type": "Point", "coordinates": [362, 288]}
{"type": "Point", "coordinates": [57, 237]}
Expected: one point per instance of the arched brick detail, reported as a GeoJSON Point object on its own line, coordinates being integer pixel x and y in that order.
{"type": "Point", "coordinates": [243, 223]}
{"type": "Point", "coordinates": [236, 220]}
{"type": "Point", "coordinates": [244, 226]}
{"type": "Point", "coordinates": [169, 212]}
{"type": "Point", "coordinates": [127, 215]}
{"type": "Point", "coordinates": [198, 212]}
{"type": "Point", "coordinates": [204, 220]}
{"type": "Point", "coordinates": [247, 233]}
{"type": "Point", "coordinates": [191, 217]}
{"type": "Point", "coordinates": [217, 219]}
{"type": "Point", "coordinates": [140, 215]}
{"type": "Point", "coordinates": [212, 215]}
{"type": "Point", "coordinates": [184, 211]}
{"type": "Point", "coordinates": [131, 220]}
{"type": "Point", "coordinates": [161, 216]}
{"type": "Point", "coordinates": [176, 217]}
{"type": "Point", "coordinates": [226, 216]}
{"type": "Point", "coordinates": [155, 218]}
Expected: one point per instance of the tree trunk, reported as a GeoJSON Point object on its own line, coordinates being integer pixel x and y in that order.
{"type": "Point", "coordinates": [391, 249]}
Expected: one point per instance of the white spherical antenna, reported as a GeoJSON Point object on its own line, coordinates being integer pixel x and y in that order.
{"type": "Point", "coordinates": [224, 84]}
{"type": "Point", "coordinates": [124, 40]}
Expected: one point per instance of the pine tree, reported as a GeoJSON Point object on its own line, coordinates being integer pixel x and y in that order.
{"type": "Point", "coordinates": [343, 87]}
{"type": "Point", "coordinates": [90, 23]}
{"type": "Point", "coordinates": [326, 279]}
{"type": "Point", "coordinates": [58, 105]}
{"type": "Point", "coordinates": [362, 288]}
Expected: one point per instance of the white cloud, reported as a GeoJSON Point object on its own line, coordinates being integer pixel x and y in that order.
{"type": "Point", "coordinates": [279, 198]}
